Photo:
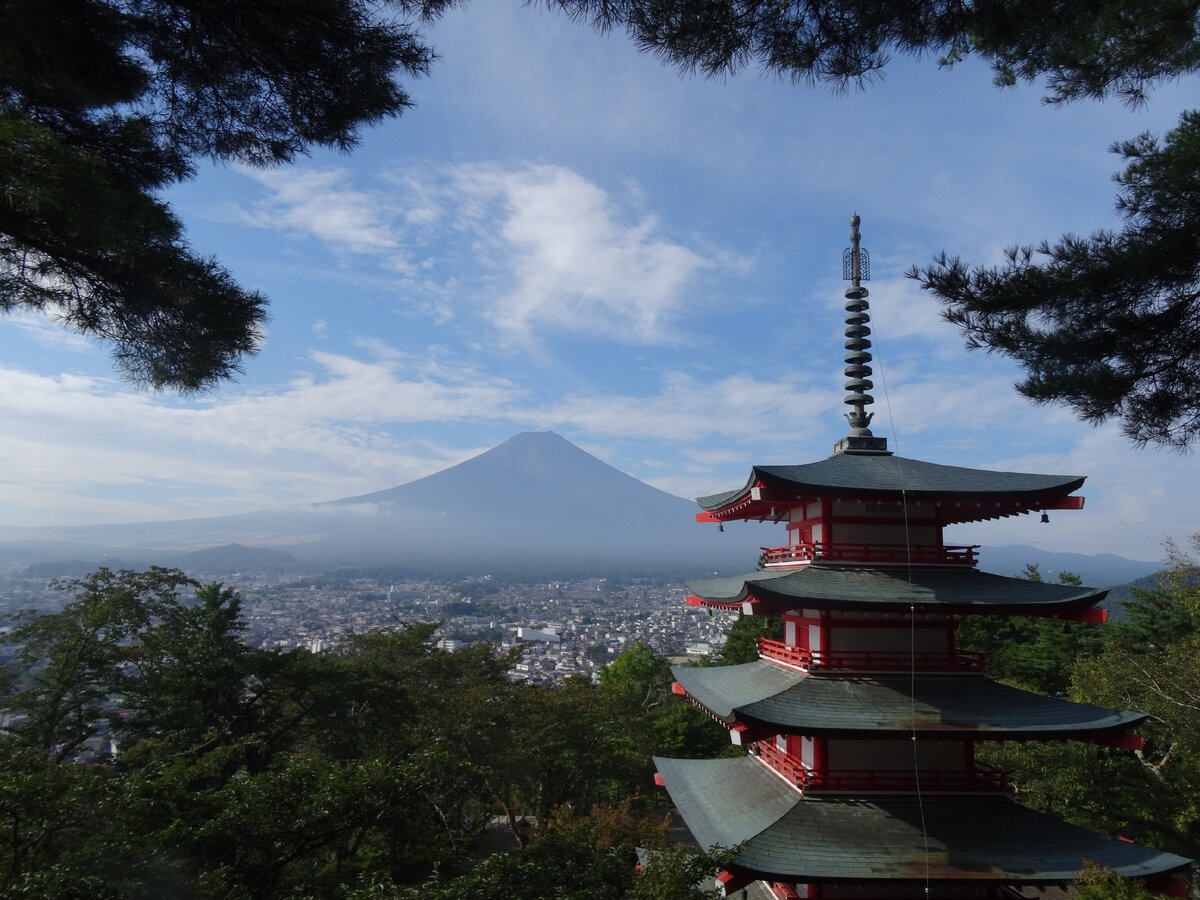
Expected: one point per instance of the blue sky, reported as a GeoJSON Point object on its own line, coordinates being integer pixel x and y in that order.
{"type": "Point", "coordinates": [566, 235]}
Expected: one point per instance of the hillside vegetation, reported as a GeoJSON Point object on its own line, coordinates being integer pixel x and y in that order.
{"type": "Point", "coordinates": [148, 752]}
{"type": "Point", "coordinates": [372, 771]}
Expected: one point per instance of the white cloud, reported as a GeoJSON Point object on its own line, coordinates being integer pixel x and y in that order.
{"type": "Point", "coordinates": [575, 266]}
{"type": "Point", "coordinates": [321, 204]}
{"type": "Point", "coordinates": [901, 312]}
{"type": "Point", "coordinates": [1135, 497]}
{"type": "Point", "coordinates": [47, 330]}
{"type": "Point", "coordinates": [652, 191]}
{"type": "Point", "coordinates": [687, 410]}
{"type": "Point", "coordinates": [534, 249]}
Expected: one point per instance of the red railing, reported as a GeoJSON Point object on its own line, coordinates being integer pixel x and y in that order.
{"type": "Point", "coordinates": [788, 766]}
{"type": "Point", "coordinates": [885, 554]}
{"type": "Point", "coordinates": [870, 660]}
{"type": "Point", "coordinates": [980, 779]}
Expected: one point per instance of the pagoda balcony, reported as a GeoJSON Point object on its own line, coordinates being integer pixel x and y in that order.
{"type": "Point", "coordinates": [980, 779]}
{"type": "Point", "coordinates": [816, 661]}
{"type": "Point", "coordinates": [875, 554]}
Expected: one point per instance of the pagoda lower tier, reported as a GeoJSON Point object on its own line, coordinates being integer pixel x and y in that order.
{"type": "Point", "coordinates": [874, 846]}
{"type": "Point", "coordinates": [759, 699]}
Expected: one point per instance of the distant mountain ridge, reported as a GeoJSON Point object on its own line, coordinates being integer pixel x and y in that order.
{"type": "Point", "coordinates": [224, 560]}
{"type": "Point", "coordinates": [1100, 570]}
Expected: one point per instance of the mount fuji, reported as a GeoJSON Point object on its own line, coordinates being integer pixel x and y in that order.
{"type": "Point", "coordinates": [535, 503]}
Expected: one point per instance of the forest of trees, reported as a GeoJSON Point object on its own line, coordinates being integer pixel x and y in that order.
{"type": "Point", "coordinates": [372, 771]}
{"type": "Point", "coordinates": [391, 769]}
{"type": "Point", "coordinates": [1148, 661]}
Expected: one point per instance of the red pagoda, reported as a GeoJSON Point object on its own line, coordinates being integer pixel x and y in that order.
{"type": "Point", "coordinates": [860, 727]}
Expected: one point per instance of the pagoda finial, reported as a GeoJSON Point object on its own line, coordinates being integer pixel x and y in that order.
{"type": "Point", "coordinates": [856, 268]}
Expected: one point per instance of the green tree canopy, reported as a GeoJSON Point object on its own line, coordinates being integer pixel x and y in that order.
{"type": "Point", "coordinates": [638, 685]}
{"type": "Point", "coordinates": [1096, 883]}
{"type": "Point", "coordinates": [741, 643]}
{"type": "Point", "coordinates": [249, 773]}
{"type": "Point", "coordinates": [1108, 324]}
{"type": "Point", "coordinates": [1151, 795]}
{"type": "Point", "coordinates": [1080, 49]}
{"type": "Point", "coordinates": [104, 103]}
{"type": "Point", "coordinates": [1031, 652]}
{"type": "Point", "coordinates": [583, 857]}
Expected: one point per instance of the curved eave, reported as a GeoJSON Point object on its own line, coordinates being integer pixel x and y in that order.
{"type": "Point", "coordinates": [960, 494]}
{"type": "Point", "coordinates": [776, 700]}
{"type": "Point", "coordinates": [949, 589]}
{"type": "Point", "coordinates": [786, 837]}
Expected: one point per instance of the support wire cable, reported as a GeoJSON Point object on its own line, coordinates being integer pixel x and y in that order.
{"type": "Point", "coordinates": [912, 609]}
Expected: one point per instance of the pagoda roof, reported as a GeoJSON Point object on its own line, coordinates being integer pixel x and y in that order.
{"type": "Point", "coordinates": [942, 706]}
{"type": "Point", "coordinates": [788, 837]}
{"type": "Point", "coordinates": [964, 495]}
{"type": "Point", "coordinates": [947, 589]}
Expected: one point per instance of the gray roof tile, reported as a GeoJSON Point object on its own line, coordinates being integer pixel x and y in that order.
{"type": "Point", "coordinates": [957, 589]}
{"type": "Point", "coordinates": [864, 474]}
{"type": "Point", "coordinates": [787, 837]}
{"type": "Point", "coordinates": [945, 706]}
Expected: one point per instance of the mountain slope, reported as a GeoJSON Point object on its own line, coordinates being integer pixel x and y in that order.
{"type": "Point", "coordinates": [539, 481]}
{"type": "Point", "coordinates": [538, 497]}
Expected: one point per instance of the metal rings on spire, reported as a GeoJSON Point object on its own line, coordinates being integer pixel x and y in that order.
{"type": "Point", "coordinates": [856, 268]}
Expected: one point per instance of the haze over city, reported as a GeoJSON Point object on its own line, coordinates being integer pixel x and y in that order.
{"type": "Point", "coordinates": [564, 234]}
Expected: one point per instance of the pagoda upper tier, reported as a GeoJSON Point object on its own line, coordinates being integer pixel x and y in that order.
{"type": "Point", "coordinates": [955, 493]}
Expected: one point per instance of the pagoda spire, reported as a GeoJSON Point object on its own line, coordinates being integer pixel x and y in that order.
{"type": "Point", "coordinates": [856, 268]}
